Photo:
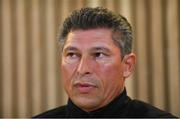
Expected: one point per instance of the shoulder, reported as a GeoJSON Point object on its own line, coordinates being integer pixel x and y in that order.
{"type": "Point", "coordinates": [56, 112]}
{"type": "Point", "coordinates": [142, 109]}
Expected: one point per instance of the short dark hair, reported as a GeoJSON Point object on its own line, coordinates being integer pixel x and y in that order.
{"type": "Point", "coordinates": [91, 18]}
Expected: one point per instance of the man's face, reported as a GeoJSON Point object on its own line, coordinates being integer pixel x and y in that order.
{"type": "Point", "coordinates": [92, 69]}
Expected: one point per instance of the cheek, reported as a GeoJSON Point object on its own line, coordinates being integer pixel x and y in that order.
{"type": "Point", "coordinates": [67, 72]}
{"type": "Point", "coordinates": [67, 69]}
{"type": "Point", "coordinates": [111, 75]}
{"type": "Point", "coordinates": [110, 70]}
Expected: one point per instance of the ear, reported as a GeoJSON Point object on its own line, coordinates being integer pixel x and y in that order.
{"type": "Point", "coordinates": [129, 62]}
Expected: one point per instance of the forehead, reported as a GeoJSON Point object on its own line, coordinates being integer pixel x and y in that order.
{"type": "Point", "coordinates": [88, 38]}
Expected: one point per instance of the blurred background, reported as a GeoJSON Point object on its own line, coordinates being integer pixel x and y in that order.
{"type": "Point", "coordinates": [30, 80]}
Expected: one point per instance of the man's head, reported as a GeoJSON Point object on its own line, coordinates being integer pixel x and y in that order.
{"type": "Point", "coordinates": [96, 56]}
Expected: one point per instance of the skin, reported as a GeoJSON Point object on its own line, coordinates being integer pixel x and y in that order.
{"type": "Point", "coordinates": [93, 72]}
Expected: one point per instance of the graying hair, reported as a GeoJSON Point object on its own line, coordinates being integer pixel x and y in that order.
{"type": "Point", "coordinates": [92, 18]}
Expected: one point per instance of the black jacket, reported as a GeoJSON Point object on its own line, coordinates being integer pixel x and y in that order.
{"type": "Point", "coordinates": [122, 106]}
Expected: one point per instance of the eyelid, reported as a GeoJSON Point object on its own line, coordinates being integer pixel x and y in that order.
{"type": "Point", "coordinates": [69, 51]}
{"type": "Point", "coordinates": [100, 53]}
{"type": "Point", "coordinates": [72, 53]}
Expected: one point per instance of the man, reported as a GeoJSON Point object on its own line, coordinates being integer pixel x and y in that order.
{"type": "Point", "coordinates": [95, 61]}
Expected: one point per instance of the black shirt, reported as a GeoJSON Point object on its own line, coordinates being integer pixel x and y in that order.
{"type": "Point", "coordinates": [122, 106]}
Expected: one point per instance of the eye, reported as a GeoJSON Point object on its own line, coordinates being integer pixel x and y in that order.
{"type": "Point", "coordinates": [72, 55]}
{"type": "Point", "coordinates": [99, 55]}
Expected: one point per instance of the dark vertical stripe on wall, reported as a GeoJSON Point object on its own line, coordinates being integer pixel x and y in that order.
{"type": "Point", "coordinates": [86, 1]}
{"type": "Point", "coordinates": [164, 37]}
{"type": "Point", "coordinates": [1, 60]}
{"type": "Point", "coordinates": [1, 70]}
{"type": "Point", "coordinates": [43, 54]}
{"type": "Point", "coordinates": [14, 56]}
{"type": "Point", "coordinates": [103, 2]}
{"type": "Point", "coordinates": [149, 53]}
{"type": "Point", "coordinates": [58, 20]}
{"type": "Point", "coordinates": [6, 58]}
{"type": "Point", "coordinates": [29, 56]}
{"type": "Point", "coordinates": [116, 5]}
{"type": "Point", "coordinates": [142, 71]}
{"type": "Point", "coordinates": [42, 23]}
{"type": "Point", "coordinates": [57, 14]}
{"type": "Point", "coordinates": [178, 12]}
{"type": "Point", "coordinates": [72, 5]}
{"type": "Point", "coordinates": [56, 62]}
{"type": "Point", "coordinates": [57, 29]}
{"type": "Point", "coordinates": [133, 13]}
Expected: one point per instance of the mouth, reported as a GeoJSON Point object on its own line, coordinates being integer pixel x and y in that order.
{"type": "Point", "coordinates": [85, 87]}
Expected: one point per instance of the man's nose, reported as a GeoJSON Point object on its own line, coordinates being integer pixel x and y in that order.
{"type": "Point", "coordinates": [84, 66]}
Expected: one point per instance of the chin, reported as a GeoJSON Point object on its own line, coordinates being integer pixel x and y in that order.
{"type": "Point", "coordinates": [86, 103]}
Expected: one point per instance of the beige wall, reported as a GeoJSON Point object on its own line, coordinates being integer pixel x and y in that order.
{"type": "Point", "coordinates": [29, 65]}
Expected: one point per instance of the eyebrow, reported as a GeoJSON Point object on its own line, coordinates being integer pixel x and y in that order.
{"type": "Point", "coordinates": [70, 48]}
{"type": "Point", "coordinates": [96, 48]}
{"type": "Point", "coordinates": [100, 48]}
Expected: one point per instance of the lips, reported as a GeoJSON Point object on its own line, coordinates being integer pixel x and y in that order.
{"type": "Point", "coordinates": [84, 87]}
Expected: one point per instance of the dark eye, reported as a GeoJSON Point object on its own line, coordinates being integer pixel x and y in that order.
{"type": "Point", "coordinates": [72, 55]}
{"type": "Point", "coordinates": [99, 55]}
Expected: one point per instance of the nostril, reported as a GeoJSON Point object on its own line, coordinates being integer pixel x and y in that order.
{"type": "Point", "coordinates": [84, 74]}
{"type": "Point", "coordinates": [87, 73]}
